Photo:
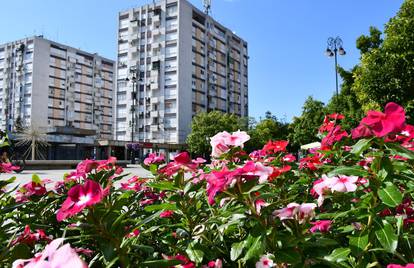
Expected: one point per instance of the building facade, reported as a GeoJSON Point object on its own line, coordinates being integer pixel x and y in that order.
{"type": "Point", "coordinates": [173, 62]}
{"type": "Point", "coordinates": [61, 90]}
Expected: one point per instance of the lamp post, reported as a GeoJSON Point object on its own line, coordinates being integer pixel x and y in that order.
{"type": "Point", "coordinates": [133, 97]}
{"type": "Point", "coordinates": [333, 49]}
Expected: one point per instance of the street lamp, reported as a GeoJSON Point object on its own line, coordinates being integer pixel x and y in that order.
{"type": "Point", "coordinates": [333, 49]}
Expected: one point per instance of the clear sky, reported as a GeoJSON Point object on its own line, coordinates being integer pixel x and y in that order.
{"type": "Point", "coordinates": [287, 38]}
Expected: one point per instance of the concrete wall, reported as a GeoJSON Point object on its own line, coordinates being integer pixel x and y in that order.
{"type": "Point", "coordinates": [40, 85]}
{"type": "Point", "coordinates": [184, 100]}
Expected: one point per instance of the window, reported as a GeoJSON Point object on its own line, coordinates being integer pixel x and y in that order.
{"type": "Point", "coordinates": [172, 10]}
{"type": "Point", "coordinates": [171, 36]}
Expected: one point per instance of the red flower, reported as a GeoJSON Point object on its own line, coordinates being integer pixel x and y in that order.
{"type": "Point", "coordinates": [33, 188]}
{"type": "Point", "coordinates": [134, 184]}
{"type": "Point", "coordinates": [322, 226]}
{"type": "Point", "coordinates": [134, 233]}
{"type": "Point", "coordinates": [29, 238]}
{"type": "Point", "coordinates": [80, 197]}
{"type": "Point", "coordinates": [334, 135]}
{"type": "Point", "coordinates": [310, 162]}
{"type": "Point", "coordinates": [167, 214]}
{"type": "Point", "coordinates": [277, 171]}
{"type": "Point", "coordinates": [381, 124]}
{"type": "Point", "coordinates": [275, 146]}
{"type": "Point", "coordinates": [185, 262]}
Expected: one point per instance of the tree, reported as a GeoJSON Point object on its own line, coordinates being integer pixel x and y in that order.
{"type": "Point", "coordinates": [366, 43]}
{"type": "Point", "coordinates": [386, 71]}
{"type": "Point", "coordinates": [206, 125]}
{"type": "Point", "coordinates": [346, 102]}
{"type": "Point", "coordinates": [304, 128]}
{"type": "Point", "coordinates": [270, 128]}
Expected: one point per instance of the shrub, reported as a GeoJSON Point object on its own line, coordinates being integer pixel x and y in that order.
{"type": "Point", "coordinates": [346, 204]}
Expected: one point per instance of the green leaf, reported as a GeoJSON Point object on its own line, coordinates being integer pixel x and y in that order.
{"type": "Point", "coordinates": [236, 250]}
{"type": "Point", "coordinates": [290, 256]}
{"type": "Point", "coordinates": [338, 255]}
{"type": "Point", "coordinates": [161, 263]}
{"type": "Point", "coordinates": [359, 242]}
{"type": "Point", "coordinates": [165, 185]}
{"type": "Point", "coordinates": [36, 179]}
{"type": "Point", "coordinates": [196, 255]}
{"type": "Point", "coordinates": [256, 248]}
{"type": "Point", "coordinates": [397, 149]}
{"type": "Point", "coordinates": [361, 146]}
{"type": "Point", "coordinates": [352, 171]}
{"type": "Point", "coordinates": [153, 169]}
{"type": "Point", "coordinates": [390, 195]}
{"type": "Point", "coordinates": [385, 234]}
{"type": "Point", "coordinates": [164, 206]}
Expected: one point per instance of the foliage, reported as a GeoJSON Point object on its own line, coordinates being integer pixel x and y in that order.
{"type": "Point", "coordinates": [348, 204]}
{"type": "Point", "coordinates": [386, 71]}
{"type": "Point", "coordinates": [303, 129]}
{"type": "Point", "coordinates": [206, 125]}
{"type": "Point", "coordinates": [269, 128]}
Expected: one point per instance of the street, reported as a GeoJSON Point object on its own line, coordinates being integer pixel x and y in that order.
{"type": "Point", "coordinates": [57, 174]}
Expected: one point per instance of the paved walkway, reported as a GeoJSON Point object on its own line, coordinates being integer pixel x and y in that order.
{"type": "Point", "coordinates": [57, 174]}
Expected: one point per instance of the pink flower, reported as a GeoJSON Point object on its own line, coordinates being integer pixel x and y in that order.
{"type": "Point", "coordinates": [322, 226]}
{"type": "Point", "coordinates": [265, 262]}
{"type": "Point", "coordinates": [55, 255]}
{"type": "Point", "coordinates": [259, 203]}
{"type": "Point", "coordinates": [167, 214]}
{"type": "Point", "coordinates": [154, 159]}
{"type": "Point", "coordinates": [223, 141]}
{"type": "Point", "coordinates": [214, 264]}
{"type": "Point", "coordinates": [80, 197]}
{"type": "Point", "coordinates": [257, 169]}
{"type": "Point", "coordinates": [301, 213]}
{"type": "Point", "coordinates": [182, 161]}
{"type": "Point", "coordinates": [340, 183]}
{"type": "Point", "coordinates": [381, 124]}
{"type": "Point", "coordinates": [408, 265]}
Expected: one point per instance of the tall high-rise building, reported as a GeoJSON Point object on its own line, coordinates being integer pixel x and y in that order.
{"type": "Point", "coordinates": [173, 62]}
{"type": "Point", "coordinates": [64, 91]}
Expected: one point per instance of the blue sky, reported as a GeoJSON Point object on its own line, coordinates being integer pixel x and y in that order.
{"type": "Point", "coordinates": [287, 38]}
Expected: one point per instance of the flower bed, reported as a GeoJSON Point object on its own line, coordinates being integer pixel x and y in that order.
{"type": "Point", "coordinates": [347, 204]}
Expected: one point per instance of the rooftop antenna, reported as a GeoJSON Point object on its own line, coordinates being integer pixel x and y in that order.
{"type": "Point", "coordinates": [207, 6]}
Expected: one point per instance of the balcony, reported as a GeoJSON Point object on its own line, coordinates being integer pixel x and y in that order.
{"type": "Point", "coordinates": [157, 32]}
{"type": "Point", "coordinates": [156, 20]}
{"type": "Point", "coordinates": [154, 86]}
{"type": "Point", "coordinates": [155, 100]}
{"type": "Point", "coordinates": [154, 114]}
{"type": "Point", "coordinates": [154, 128]}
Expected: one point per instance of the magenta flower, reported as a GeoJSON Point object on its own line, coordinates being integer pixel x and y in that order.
{"type": "Point", "coordinates": [167, 214]}
{"type": "Point", "coordinates": [134, 233]}
{"type": "Point", "coordinates": [322, 226]}
{"type": "Point", "coordinates": [259, 203]}
{"type": "Point", "coordinates": [30, 238]}
{"type": "Point", "coordinates": [33, 188]}
{"type": "Point", "coordinates": [8, 168]}
{"type": "Point", "coordinates": [80, 197]}
{"type": "Point", "coordinates": [408, 265]}
{"type": "Point", "coordinates": [380, 124]}
{"type": "Point", "coordinates": [214, 264]}
{"type": "Point", "coordinates": [55, 255]}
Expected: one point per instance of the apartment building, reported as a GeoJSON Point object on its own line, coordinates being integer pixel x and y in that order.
{"type": "Point", "coordinates": [173, 62]}
{"type": "Point", "coordinates": [64, 91]}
